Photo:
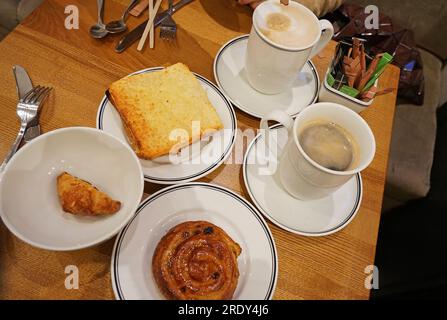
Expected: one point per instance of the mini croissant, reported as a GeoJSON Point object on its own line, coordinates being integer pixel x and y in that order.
{"type": "Point", "coordinates": [81, 197]}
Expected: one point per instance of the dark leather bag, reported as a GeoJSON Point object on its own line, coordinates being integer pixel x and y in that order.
{"type": "Point", "coordinates": [349, 21]}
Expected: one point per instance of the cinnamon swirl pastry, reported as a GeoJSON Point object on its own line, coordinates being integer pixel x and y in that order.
{"type": "Point", "coordinates": [196, 260]}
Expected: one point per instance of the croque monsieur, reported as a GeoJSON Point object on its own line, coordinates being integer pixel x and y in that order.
{"type": "Point", "coordinates": [152, 105]}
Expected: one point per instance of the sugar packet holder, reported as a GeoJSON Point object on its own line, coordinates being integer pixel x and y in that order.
{"type": "Point", "coordinates": [344, 94]}
{"type": "Point", "coordinates": [330, 94]}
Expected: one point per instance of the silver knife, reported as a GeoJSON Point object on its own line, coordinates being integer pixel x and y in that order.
{"type": "Point", "coordinates": [136, 33]}
{"type": "Point", "coordinates": [24, 85]}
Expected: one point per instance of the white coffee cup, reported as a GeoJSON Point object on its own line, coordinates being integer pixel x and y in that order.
{"type": "Point", "coordinates": [271, 68]}
{"type": "Point", "coordinates": [301, 176]}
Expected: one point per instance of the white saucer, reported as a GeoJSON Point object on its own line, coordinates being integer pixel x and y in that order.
{"type": "Point", "coordinates": [211, 156]}
{"type": "Point", "coordinates": [230, 77]}
{"type": "Point", "coordinates": [308, 218]}
{"type": "Point", "coordinates": [134, 247]}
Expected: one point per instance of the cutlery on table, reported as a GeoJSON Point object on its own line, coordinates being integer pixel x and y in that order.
{"type": "Point", "coordinates": [148, 26]}
{"type": "Point", "coordinates": [25, 85]}
{"type": "Point", "coordinates": [136, 33]}
{"type": "Point", "coordinates": [98, 30]}
{"type": "Point", "coordinates": [27, 110]}
{"type": "Point", "coordinates": [168, 27]}
{"type": "Point", "coordinates": [151, 33]}
{"type": "Point", "coordinates": [118, 26]}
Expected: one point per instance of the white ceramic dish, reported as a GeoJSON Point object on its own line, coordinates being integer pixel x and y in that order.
{"type": "Point", "coordinates": [134, 247]}
{"type": "Point", "coordinates": [210, 157]}
{"type": "Point", "coordinates": [229, 72]}
{"type": "Point", "coordinates": [314, 218]}
{"type": "Point", "coordinates": [29, 204]}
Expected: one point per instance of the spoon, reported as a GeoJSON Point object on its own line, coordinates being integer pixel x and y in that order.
{"type": "Point", "coordinates": [98, 30]}
{"type": "Point", "coordinates": [120, 25]}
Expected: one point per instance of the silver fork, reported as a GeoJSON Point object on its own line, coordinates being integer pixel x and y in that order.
{"type": "Point", "coordinates": [27, 110]}
{"type": "Point", "coordinates": [168, 28]}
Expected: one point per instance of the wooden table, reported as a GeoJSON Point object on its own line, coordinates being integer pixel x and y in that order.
{"type": "Point", "coordinates": [80, 68]}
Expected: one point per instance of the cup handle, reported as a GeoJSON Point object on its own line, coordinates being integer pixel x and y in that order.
{"type": "Point", "coordinates": [279, 116]}
{"type": "Point", "coordinates": [327, 32]}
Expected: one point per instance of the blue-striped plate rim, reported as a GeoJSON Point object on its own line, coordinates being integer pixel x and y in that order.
{"type": "Point", "coordinates": [119, 240]}
{"type": "Point", "coordinates": [212, 167]}
{"type": "Point", "coordinates": [216, 77]}
{"type": "Point", "coordinates": [335, 229]}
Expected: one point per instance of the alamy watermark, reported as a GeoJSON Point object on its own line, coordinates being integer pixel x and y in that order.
{"type": "Point", "coordinates": [209, 145]}
{"type": "Point", "coordinates": [372, 278]}
{"type": "Point", "coordinates": [72, 18]}
{"type": "Point", "coordinates": [72, 278]}
{"type": "Point", "coordinates": [372, 21]}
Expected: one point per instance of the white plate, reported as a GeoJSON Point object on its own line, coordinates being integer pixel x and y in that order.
{"type": "Point", "coordinates": [29, 204]}
{"type": "Point", "coordinates": [134, 247]}
{"type": "Point", "coordinates": [212, 155]}
{"type": "Point", "coordinates": [230, 77]}
{"type": "Point", "coordinates": [309, 218]}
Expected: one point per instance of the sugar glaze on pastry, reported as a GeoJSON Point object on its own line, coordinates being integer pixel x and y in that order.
{"type": "Point", "coordinates": [81, 197]}
{"type": "Point", "coordinates": [196, 260]}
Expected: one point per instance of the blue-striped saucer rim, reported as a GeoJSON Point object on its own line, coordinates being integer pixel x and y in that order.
{"type": "Point", "coordinates": [119, 295]}
{"type": "Point", "coordinates": [202, 173]}
{"type": "Point", "coordinates": [265, 212]}
{"type": "Point", "coordinates": [239, 106]}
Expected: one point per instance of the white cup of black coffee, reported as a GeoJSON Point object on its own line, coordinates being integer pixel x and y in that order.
{"type": "Point", "coordinates": [328, 144]}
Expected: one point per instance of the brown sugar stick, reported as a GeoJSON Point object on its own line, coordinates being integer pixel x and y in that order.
{"type": "Point", "coordinates": [349, 55]}
{"type": "Point", "coordinates": [373, 93]}
{"type": "Point", "coordinates": [369, 73]}
{"type": "Point", "coordinates": [385, 91]}
{"type": "Point", "coordinates": [362, 72]}
{"type": "Point", "coordinates": [351, 68]}
{"type": "Point", "coordinates": [369, 95]}
{"type": "Point", "coordinates": [363, 58]}
{"type": "Point", "coordinates": [356, 48]}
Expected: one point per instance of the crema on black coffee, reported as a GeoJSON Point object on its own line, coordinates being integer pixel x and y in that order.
{"type": "Point", "coordinates": [329, 145]}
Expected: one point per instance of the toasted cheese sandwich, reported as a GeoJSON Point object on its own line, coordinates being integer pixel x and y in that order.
{"type": "Point", "coordinates": [154, 107]}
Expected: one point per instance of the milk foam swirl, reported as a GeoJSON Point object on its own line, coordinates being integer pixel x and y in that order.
{"type": "Point", "coordinates": [290, 26]}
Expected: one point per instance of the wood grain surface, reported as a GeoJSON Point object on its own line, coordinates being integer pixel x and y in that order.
{"type": "Point", "coordinates": [80, 68]}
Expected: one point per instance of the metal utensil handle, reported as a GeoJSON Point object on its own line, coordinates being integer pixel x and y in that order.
{"type": "Point", "coordinates": [23, 81]}
{"type": "Point", "coordinates": [129, 7]}
{"type": "Point", "coordinates": [136, 33]}
{"type": "Point", "coordinates": [31, 133]}
{"type": "Point", "coordinates": [100, 11]}
{"type": "Point", "coordinates": [15, 145]}
{"type": "Point", "coordinates": [179, 5]}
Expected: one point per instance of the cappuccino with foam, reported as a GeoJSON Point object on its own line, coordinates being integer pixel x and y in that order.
{"type": "Point", "coordinates": [288, 26]}
{"type": "Point", "coordinates": [282, 40]}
